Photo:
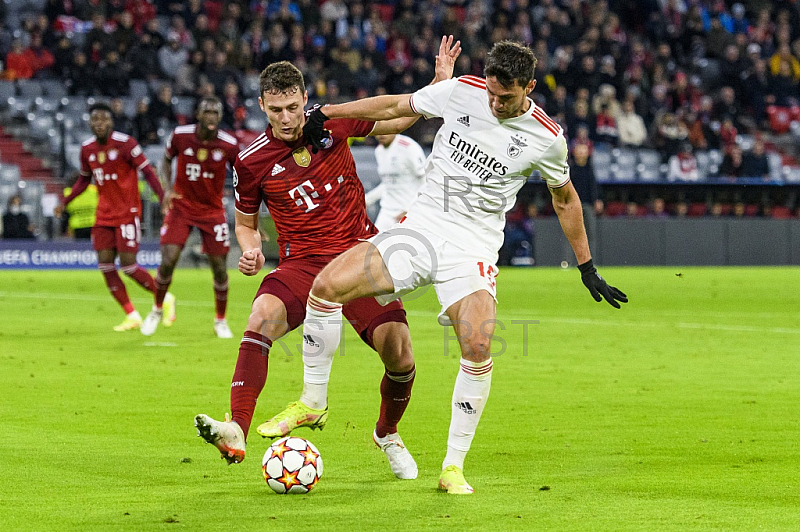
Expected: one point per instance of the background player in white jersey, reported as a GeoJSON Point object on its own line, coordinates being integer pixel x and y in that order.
{"type": "Point", "coordinates": [492, 140]}
{"type": "Point", "coordinates": [401, 167]}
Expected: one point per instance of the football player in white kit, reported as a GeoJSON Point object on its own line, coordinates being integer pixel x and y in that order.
{"type": "Point", "coordinates": [401, 167]}
{"type": "Point", "coordinates": [492, 139]}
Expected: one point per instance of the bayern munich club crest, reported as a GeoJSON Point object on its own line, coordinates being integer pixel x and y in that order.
{"type": "Point", "coordinates": [515, 148]}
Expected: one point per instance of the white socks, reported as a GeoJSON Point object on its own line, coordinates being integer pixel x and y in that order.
{"type": "Point", "coordinates": [322, 330]}
{"type": "Point", "coordinates": [470, 393]}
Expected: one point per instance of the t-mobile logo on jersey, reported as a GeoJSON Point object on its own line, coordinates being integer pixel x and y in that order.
{"type": "Point", "coordinates": [465, 407]}
{"type": "Point", "coordinates": [305, 196]}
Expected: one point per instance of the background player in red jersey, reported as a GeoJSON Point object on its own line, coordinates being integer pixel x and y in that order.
{"type": "Point", "coordinates": [204, 153]}
{"type": "Point", "coordinates": [317, 202]}
{"type": "Point", "coordinates": [112, 159]}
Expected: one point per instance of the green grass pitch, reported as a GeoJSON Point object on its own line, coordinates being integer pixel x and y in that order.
{"type": "Point", "coordinates": [678, 412]}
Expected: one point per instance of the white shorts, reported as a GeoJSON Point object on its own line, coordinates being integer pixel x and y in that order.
{"type": "Point", "coordinates": [417, 258]}
{"type": "Point", "coordinates": [386, 219]}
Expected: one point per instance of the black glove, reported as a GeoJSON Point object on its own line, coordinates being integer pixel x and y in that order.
{"type": "Point", "coordinates": [314, 130]}
{"type": "Point", "coordinates": [599, 287]}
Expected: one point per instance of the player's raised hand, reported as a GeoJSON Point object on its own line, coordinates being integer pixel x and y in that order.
{"type": "Point", "coordinates": [166, 205]}
{"type": "Point", "coordinates": [598, 286]}
{"type": "Point", "coordinates": [314, 130]}
{"type": "Point", "coordinates": [251, 261]}
{"type": "Point", "coordinates": [446, 59]}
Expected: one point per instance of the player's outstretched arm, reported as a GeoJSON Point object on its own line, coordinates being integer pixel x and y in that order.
{"type": "Point", "coordinates": [567, 205]}
{"type": "Point", "coordinates": [249, 238]}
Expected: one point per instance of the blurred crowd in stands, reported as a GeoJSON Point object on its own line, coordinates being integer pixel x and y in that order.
{"type": "Point", "coordinates": [683, 77]}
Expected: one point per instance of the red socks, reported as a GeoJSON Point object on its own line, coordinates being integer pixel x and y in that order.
{"type": "Point", "coordinates": [395, 394]}
{"type": "Point", "coordinates": [141, 276]}
{"type": "Point", "coordinates": [249, 377]}
{"type": "Point", "coordinates": [116, 286]}
{"type": "Point", "coordinates": [221, 298]}
{"type": "Point", "coordinates": [162, 285]}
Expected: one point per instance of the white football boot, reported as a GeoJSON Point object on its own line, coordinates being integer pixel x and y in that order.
{"type": "Point", "coordinates": [227, 436]}
{"type": "Point", "coordinates": [400, 460]}
{"type": "Point", "coordinates": [221, 329]}
{"type": "Point", "coordinates": [151, 321]}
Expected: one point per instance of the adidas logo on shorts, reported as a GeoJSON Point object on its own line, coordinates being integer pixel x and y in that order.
{"type": "Point", "coordinates": [277, 169]}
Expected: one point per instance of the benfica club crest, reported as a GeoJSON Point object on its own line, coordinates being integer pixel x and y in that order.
{"type": "Point", "coordinates": [101, 157]}
{"type": "Point", "coordinates": [202, 154]}
{"type": "Point", "coordinates": [217, 155]}
{"type": "Point", "coordinates": [302, 157]}
{"type": "Point", "coordinates": [515, 148]}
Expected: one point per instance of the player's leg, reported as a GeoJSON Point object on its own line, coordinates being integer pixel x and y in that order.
{"type": "Point", "coordinates": [473, 321]}
{"type": "Point", "coordinates": [267, 322]}
{"type": "Point", "coordinates": [128, 237]}
{"type": "Point", "coordinates": [104, 242]}
{"type": "Point", "coordinates": [163, 310]}
{"type": "Point", "coordinates": [388, 334]}
{"type": "Point", "coordinates": [358, 272]}
{"type": "Point", "coordinates": [131, 268]}
{"type": "Point", "coordinates": [220, 271]}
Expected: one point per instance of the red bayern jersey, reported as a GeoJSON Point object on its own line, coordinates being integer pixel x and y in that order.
{"type": "Point", "coordinates": [201, 168]}
{"type": "Point", "coordinates": [316, 199]}
{"type": "Point", "coordinates": [114, 168]}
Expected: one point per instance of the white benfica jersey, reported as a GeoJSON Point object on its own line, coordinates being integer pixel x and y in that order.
{"type": "Point", "coordinates": [479, 163]}
{"type": "Point", "coordinates": [401, 168]}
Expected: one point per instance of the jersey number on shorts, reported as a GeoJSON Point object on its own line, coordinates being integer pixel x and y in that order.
{"type": "Point", "coordinates": [130, 231]}
{"type": "Point", "coordinates": [222, 233]}
{"type": "Point", "coordinates": [489, 272]}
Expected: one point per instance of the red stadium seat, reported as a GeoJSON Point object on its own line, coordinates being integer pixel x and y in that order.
{"type": "Point", "coordinates": [697, 209]}
{"type": "Point", "coordinates": [614, 208]}
{"type": "Point", "coordinates": [386, 11]}
{"type": "Point", "coordinates": [780, 119]}
{"type": "Point", "coordinates": [781, 212]}
{"type": "Point", "coordinates": [751, 209]}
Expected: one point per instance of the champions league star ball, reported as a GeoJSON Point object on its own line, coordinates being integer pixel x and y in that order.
{"type": "Point", "coordinates": [292, 465]}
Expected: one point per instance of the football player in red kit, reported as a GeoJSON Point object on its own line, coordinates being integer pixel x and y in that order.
{"type": "Point", "coordinates": [113, 160]}
{"type": "Point", "coordinates": [317, 202]}
{"type": "Point", "coordinates": [195, 200]}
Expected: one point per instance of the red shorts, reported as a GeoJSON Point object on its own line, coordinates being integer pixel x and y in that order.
{"type": "Point", "coordinates": [213, 230]}
{"type": "Point", "coordinates": [124, 238]}
{"type": "Point", "coordinates": [291, 282]}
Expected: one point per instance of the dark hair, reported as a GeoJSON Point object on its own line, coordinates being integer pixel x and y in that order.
{"type": "Point", "coordinates": [510, 61]}
{"type": "Point", "coordinates": [212, 101]}
{"type": "Point", "coordinates": [281, 77]}
{"type": "Point", "coordinates": [100, 106]}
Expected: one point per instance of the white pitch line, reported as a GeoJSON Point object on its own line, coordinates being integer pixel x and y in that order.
{"type": "Point", "coordinates": [432, 314]}
{"type": "Point", "coordinates": [160, 344]}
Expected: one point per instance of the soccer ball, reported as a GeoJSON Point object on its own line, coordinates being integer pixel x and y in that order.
{"type": "Point", "coordinates": [292, 465]}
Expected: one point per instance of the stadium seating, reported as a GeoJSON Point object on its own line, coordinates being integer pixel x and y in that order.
{"type": "Point", "coordinates": [649, 165]}
{"type": "Point", "coordinates": [10, 174]}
